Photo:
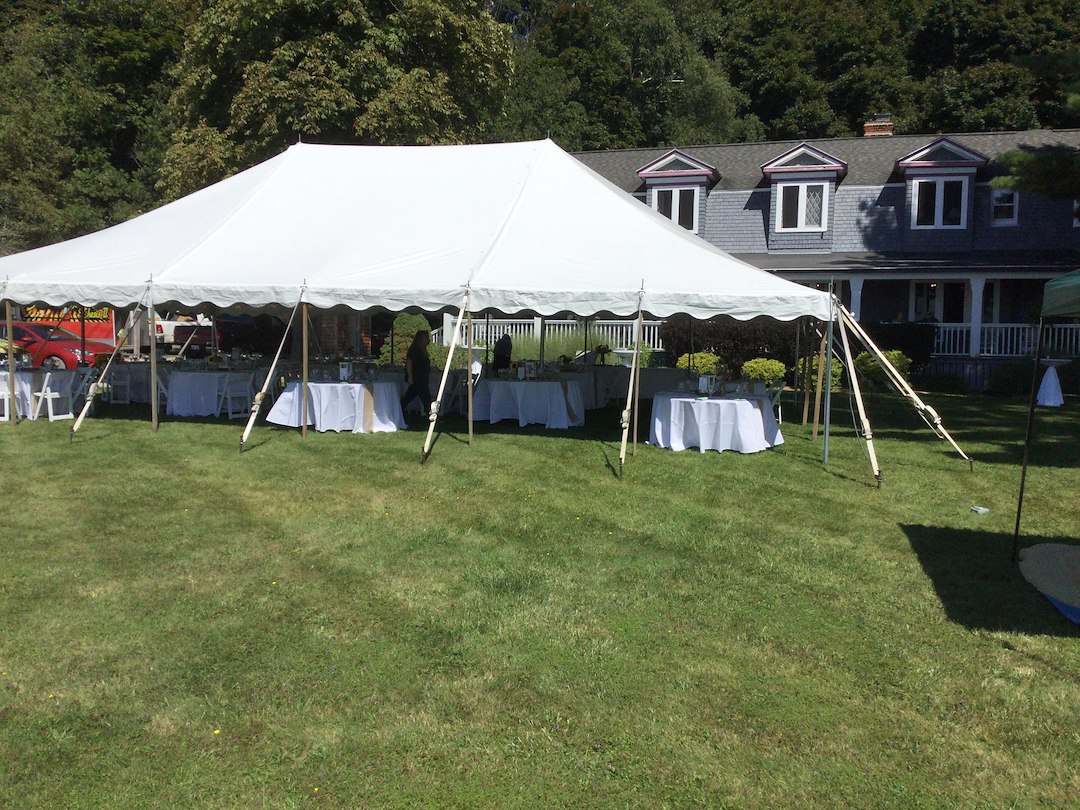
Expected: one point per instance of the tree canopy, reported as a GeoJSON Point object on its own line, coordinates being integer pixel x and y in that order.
{"type": "Point", "coordinates": [109, 107]}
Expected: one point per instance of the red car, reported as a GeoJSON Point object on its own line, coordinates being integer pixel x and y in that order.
{"type": "Point", "coordinates": [54, 348]}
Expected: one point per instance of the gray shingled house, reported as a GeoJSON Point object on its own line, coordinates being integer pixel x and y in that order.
{"type": "Point", "coordinates": [907, 226]}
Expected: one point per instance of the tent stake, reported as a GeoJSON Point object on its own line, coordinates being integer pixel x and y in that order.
{"type": "Point", "coordinates": [1027, 439]}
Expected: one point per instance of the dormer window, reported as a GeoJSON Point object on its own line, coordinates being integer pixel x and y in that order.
{"type": "Point", "coordinates": [1004, 207]}
{"type": "Point", "coordinates": [801, 207]}
{"type": "Point", "coordinates": [802, 178]}
{"type": "Point", "coordinates": [939, 176]}
{"type": "Point", "coordinates": [675, 183]}
{"type": "Point", "coordinates": [679, 205]}
{"type": "Point", "coordinates": [939, 202]}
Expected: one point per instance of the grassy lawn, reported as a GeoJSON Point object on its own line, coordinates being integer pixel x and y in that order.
{"type": "Point", "coordinates": [323, 622]}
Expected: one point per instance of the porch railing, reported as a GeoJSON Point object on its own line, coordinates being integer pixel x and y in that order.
{"type": "Point", "coordinates": [614, 333]}
{"type": "Point", "coordinates": [1007, 339]}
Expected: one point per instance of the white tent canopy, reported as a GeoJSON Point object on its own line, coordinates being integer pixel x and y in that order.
{"type": "Point", "coordinates": [520, 226]}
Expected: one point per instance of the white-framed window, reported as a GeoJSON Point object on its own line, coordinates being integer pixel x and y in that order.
{"type": "Point", "coordinates": [939, 202]}
{"type": "Point", "coordinates": [1004, 206]}
{"type": "Point", "coordinates": [802, 206]}
{"type": "Point", "coordinates": [679, 205]}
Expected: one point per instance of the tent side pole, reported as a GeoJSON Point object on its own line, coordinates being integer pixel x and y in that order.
{"type": "Point", "coordinates": [826, 421]}
{"type": "Point", "coordinates": [629, 403]}
{"type": "Point", "coordinates": [929, 415]}
{"type": "Point", "coordinates": [1027, 440]}
{"type": "Point", "coordinates": [868, 433]}
{"type": "Point", "coordinates": [151, 325]}
{"type": "Point", "coordinates": [818, 390]}
{"type": "Point", "coordinates": [304, 393]}
{"type": "Point", "coordinates": [10, 362]}
{"type": "Point", "coordinates": [92, 390]}
{"type": "Point", "coordinates": [807, 361]}
{"type": "Point", "coordinates": [259, 397]}
{"type": "Point", "coordinates": [437, 404]}
{"type": "Point", "coordinates": [637, 382]}
{"type": "Point", "coordinates": [469, 380]}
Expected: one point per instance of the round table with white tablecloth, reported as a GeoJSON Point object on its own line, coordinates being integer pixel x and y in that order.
{"type": "Point", "coordinates": [680, 421]}
{"type": "Point", "coordinates": [359, 408]}
{"type": "Point", "coordinates": [553, 404]}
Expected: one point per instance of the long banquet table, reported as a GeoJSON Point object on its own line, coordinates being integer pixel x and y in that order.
{"type": "Point", "coordinates": [359, 408]}
{"type": "Point", "coordinates": [195, 393]}
{"type": "Point", "coordinates": [680, 421]}
{"type": "Point", "coordinates": [556, 405]}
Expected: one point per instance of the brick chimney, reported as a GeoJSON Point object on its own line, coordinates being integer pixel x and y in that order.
{"type": "Point", "coordinates": [880, 126]}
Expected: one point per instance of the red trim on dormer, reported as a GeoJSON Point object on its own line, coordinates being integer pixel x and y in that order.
{"type": "Point", "coordinates": [831, 162]}
{"type": "Point", "coordinates": [912, 161]}
{"type": "Point", "coordinates": [701, 170]}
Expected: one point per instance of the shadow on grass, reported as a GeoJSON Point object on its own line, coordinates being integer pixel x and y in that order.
{"type": "Point", "coordinates": [979, 587]}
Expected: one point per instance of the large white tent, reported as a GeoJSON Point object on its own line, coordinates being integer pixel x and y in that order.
{"type": "Point", "coordinates": [519, 226]}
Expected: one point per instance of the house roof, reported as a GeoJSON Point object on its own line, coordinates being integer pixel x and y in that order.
{"type": "Point", "coordinates": [870, 161]}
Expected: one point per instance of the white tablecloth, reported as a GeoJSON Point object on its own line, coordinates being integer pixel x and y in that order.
{"type": "Point", "coordinates": [556, 405]}
{"type": "Point", "coordinates": [195, 393]}
{"type": "Point", "coordinates": [680, 421]}
{"type": "Point", "coordinates": [360, 408]}
{"type": "Point", "coordinates": [29, 382]}
{"type": "Point", "coordinates": [1050, 389]}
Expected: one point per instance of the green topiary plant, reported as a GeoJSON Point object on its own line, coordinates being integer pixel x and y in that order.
{"type": "Point", "coordinates": [405, 328]}
{"type": "Point", "coordinates": [869, 367]}
{"type": "Point", "coordinates": [704, 362]}
{"type": "Point", "coordinates": [836, 375]}
{"type": "Point", "coordinates": [763, 369]}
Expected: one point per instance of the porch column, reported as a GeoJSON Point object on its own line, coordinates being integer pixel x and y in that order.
{"type": "Point", "coordinates": [538, 328]}
{"type": "Point", "coordinates": [977, 284]}
{"type": "Point", "coordinates": [855, 283]}
{"type": "Point", "coordinates": [447, 328]}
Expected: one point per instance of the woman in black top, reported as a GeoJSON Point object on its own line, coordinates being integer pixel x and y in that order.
{"type": "Point", "coordinates": [417, 371]}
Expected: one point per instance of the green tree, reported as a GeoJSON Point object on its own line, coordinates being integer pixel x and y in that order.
{"type": "Point", "coordinates": [81, 93]}
{"type": "Point", "coordinates": [255, 74]}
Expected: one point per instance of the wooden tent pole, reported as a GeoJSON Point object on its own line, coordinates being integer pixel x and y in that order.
{"type": "Point", "coordinates": [151, 325]}
{"type": "Point", "coordinates": [637, 381]}
{"type": "Point", "coordinates": [437, 404]}
{"type": "Point", "coordinates": [304, 393]}
{"type": "Point", "coordinates": [928, 414]}
{"type": "Point", "coordinates": [257, 404]}
{"type": "Point", "coordinates": [853, 378]}
{"type": "Point", "coordinates": [818, 388]}
{"type": "Point", "coordinates": [629, 396]}
{"type": "Point", "coordinates": [469, 380]}
{"type": "Point", "coordinates": [10, 362]}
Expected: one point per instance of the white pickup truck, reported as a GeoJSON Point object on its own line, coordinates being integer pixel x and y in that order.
{"type": "Point", "coordinates": [169, 339]}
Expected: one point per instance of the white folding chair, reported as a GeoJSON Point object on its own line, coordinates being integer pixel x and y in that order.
{"type": "Point", "coordinates": [119, 387]}
{"type": "Point", "coordinates": [57, 393]}
{"type": "Point", "coordinates": [236, 396]}
{"type": "Point", "coordinates": [5, 396]}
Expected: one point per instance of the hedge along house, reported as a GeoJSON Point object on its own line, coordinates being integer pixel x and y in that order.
{"type": "Point", "coordinates": [908, 227]}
